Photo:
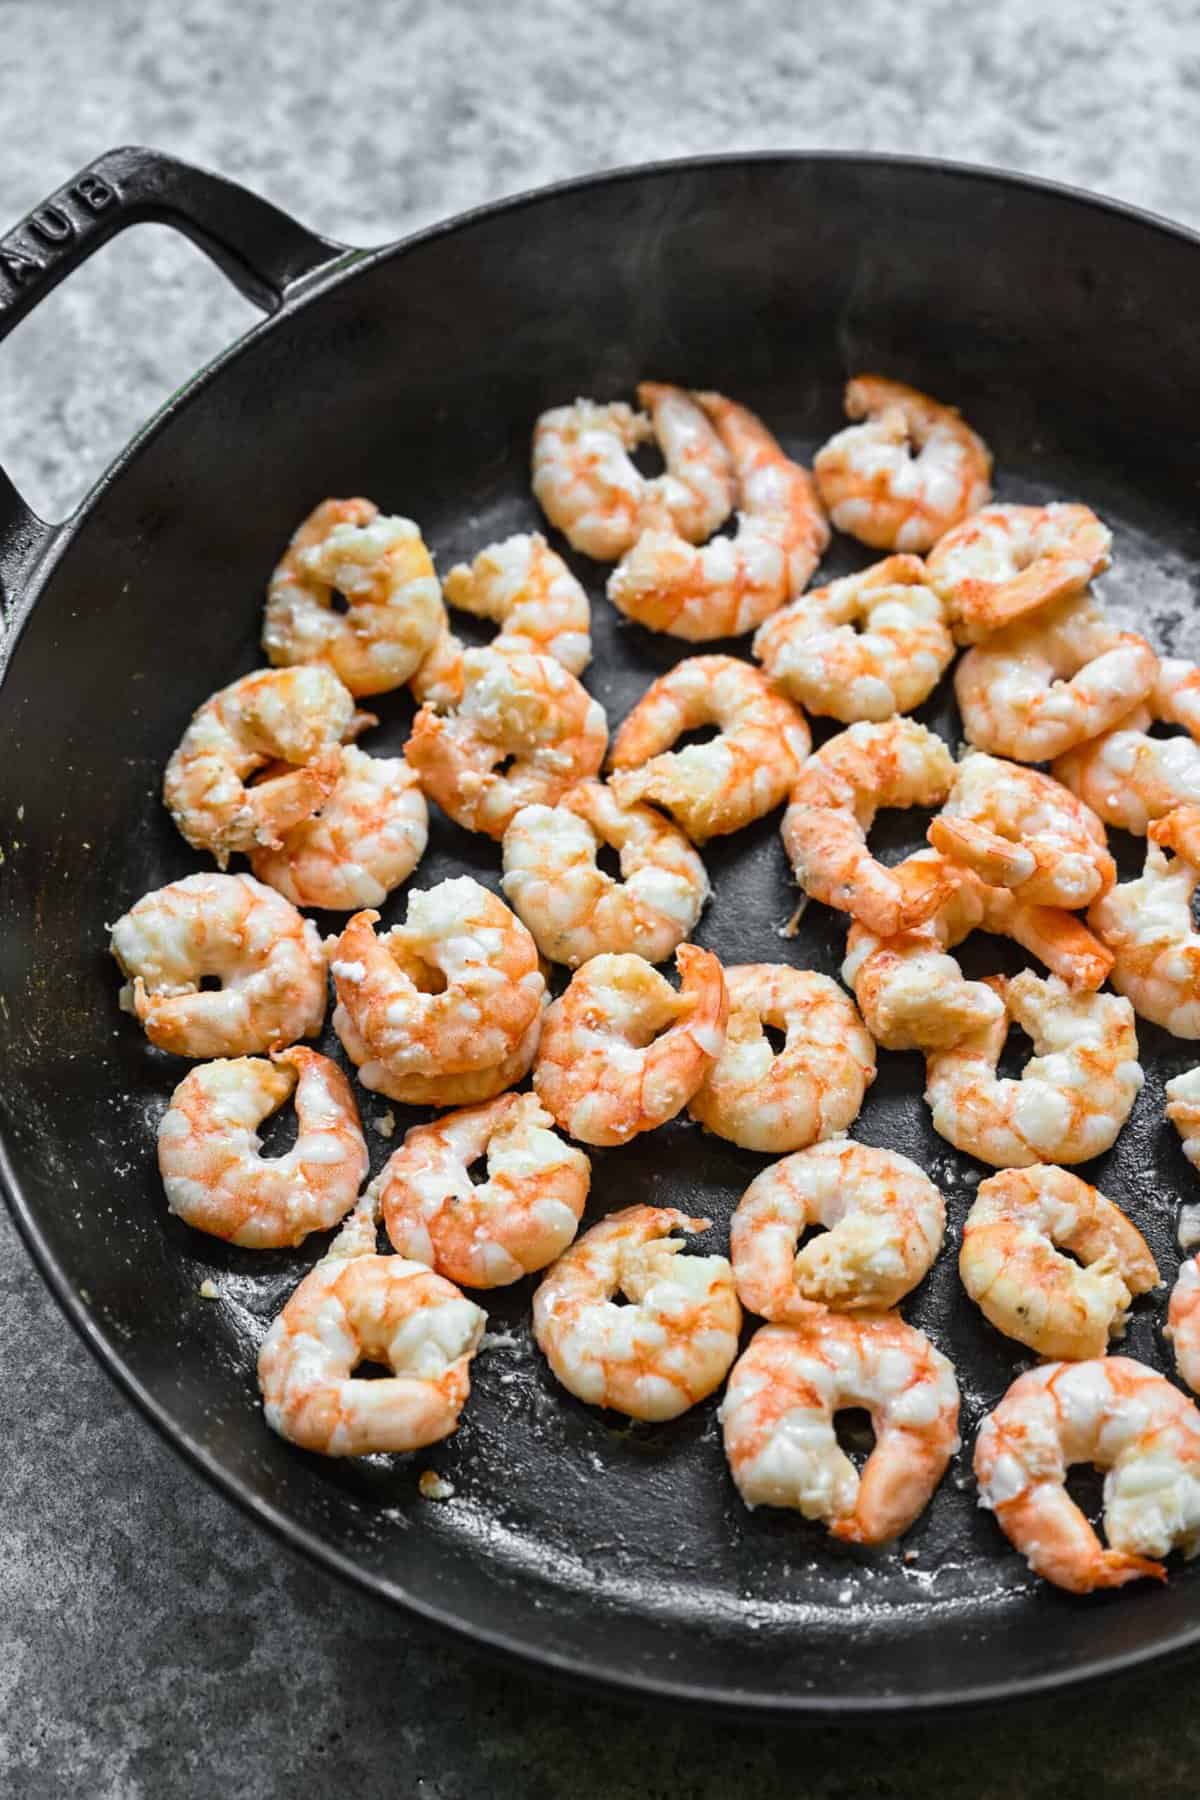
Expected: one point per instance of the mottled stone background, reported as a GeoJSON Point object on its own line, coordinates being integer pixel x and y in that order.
{"type": "Point", "coordinates": [151, 1643]}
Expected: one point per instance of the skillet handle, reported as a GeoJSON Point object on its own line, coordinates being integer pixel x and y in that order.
{"type": "Point", "coordinates": [262, 250]}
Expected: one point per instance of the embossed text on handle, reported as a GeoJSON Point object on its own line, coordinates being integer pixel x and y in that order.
{"type": "Point", "coordinates": [51, 232]}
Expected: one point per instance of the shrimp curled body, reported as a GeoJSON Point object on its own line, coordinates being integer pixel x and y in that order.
{"type": "Point", "coordinates": [1021, 830]}
{"type": "Point", "coordinates": [1006, 562]}
{"type": "Point", "coordinates": [1131, 779]}
{"type": "Point", "coordinates": [366, 840]}
{"type": "Point", "coordinates": [1147, 924]}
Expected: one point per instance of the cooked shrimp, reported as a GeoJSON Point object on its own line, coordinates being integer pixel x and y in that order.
{"type": "Point", "coordinates": [1123, 1418]}
{"type": "Point", "coordinates": [465, 1089]}
{"type": "Point", "coordinates": [865, 647]}
{"type": "Point", "coordinates": [1183, 1321]}
{"type": "Point", "coordinates": [489, 1233]}
{"type": "Point", "coordinates": [771, 1100]}
{"type": "Point", "coordinates": [208, 1149]}
{"type": "Point", "coordinates": [731, 584]}
{"type": "Point", "coordinates": [292, 716]}
{"type": "Point", "coordinates": [833, 805]}
{"type": "Point", "coordinates": [573, 908]}
{"type": "Point", "coordinates": [1131, 779]}
{"type": "Point", "coordinates": [451, 991]}
{"type": "Point", "coordinates": [586, 483]}
{"type": "Point", "coordinates": [906, 475]}
{"type": "Point", "coordinates": [669, 1347]}
{"type": "Point", "coordinates": [523, 732]}
{"type": "Point", "coordinates": [1006, 562]}
{"type": "Point", "coordinates": [1021, 830]}
{"type": "Point", "coordinates": [1183, 1110]}
{"type": "Point", "coordinates": [914, 995]}
{"type": "Point", "coordinates": [1147, 924]}
{"type": "Point", "coordinates": [530, 593]}
{"type": "Point", "coordinates": [1076, 1091]}
{"type": "Point", "coordinates": [368, 837]}
{"type": "Point", "coordinates": [622, 1052]}
{"type": "Point", "coordinates": [384, 573]}
{"type": "Point", "coordinates": [1012, 1262]}
{"type": "Point", "coordinates": [1048, 683]}
{"type": "Point", "coordinates": [884, 1225]}
{"type": "Point", "coordinates": [717, 787]}
{"type": "Point", "coordinates": [357, 1307]}
{"type": "Point", "coordinates": [779, 1408]}
{"type": "Point", "coordinates": [266, 957]}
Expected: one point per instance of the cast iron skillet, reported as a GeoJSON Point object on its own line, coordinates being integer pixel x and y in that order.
{"type": "Point", "coordinates": [1064, 328]}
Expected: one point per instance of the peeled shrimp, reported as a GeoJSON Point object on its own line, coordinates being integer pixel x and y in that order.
{"type": "Point", "coordinates": [1021, 830]}
{"type": "Point", "coordinates": [1075, 1094]}
{"type": "Point", "coordinates": [1123, 1418]}
{"type": "Point", "coordinates": [573, 908]}
{"type": "Point", "coordinates": [731, 584]}
{"type": "Point", "coordinates": [382, 570]}
{"type": "Point", "coordinates": [268, 960]}
{"type": "Point", "coordinates": [866, 647]}
{"type": "Point", "coordinates": [602, 1070]}
{"type": "Point", "coordinates": [367, 838]}
{"type": "Point", "coordinates": [833, 805]}
{"type": "Point", "coordinates": [356, 1307]}
{"type": "Point", "coordinates": [669, 1347]}
{"type": "Point", "coordinates": [1012, 1262]}
{"type": "Point", "coordinates": [451, 991]}
{"type": "Point", "coordinates": [488, 1233]}
{"type": "Point", "coordinates": [1147, 924]}
{"type": "Point", "coordinates": [523, 732]}
{"type": "Point", "coordinates": [587, 484]}
{"type": "Point", "coordinates": [1006, 562]}
{"type": "Point", "coordinates": [913, 994]}
{"type": "Point", "coordinates": [291, 716]}
{"type": "Point", "coordinates": [884, 1224]}
{"type": "Point", "coordinates": [1183, 1312]}
{"type": "Point", "coordinates": [466, 1088]}
{"type": "Point", "coordinates": [1048, 683]}
{"type": "Point", "coordinates": [771, 1100]}
{"type": "Point", "coordinates": [1183, 1110]}
{"type": "Point", "coordinates": [778, 1413]}
{"type": "Point", "coordinates": [907, 474]}
{"type": "Point", "coordinates": [720, 786]}
{"type": "Point", "coordinates": [534, 598]}
{"type": "Point", "coordinates": [1131, 779]}
{"type": "Point", "coordinates": [208, 1149]}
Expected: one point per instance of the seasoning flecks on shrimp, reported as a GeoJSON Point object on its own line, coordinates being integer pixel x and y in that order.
{"type": "Point", "coordinates": [576, 910]}
{"type": "Point", "coordinates": [523, 732]}
{"type": "Point", "coordinates": [1131, 779]}
{"type": "Point", "coordinates": [866, 647]}
{"type": "Point", "coordinates": [530, 593]}
{"type": "Point", "coordinates": [366, 840]}
{"type": "Point", "coordinates": [730, 585]}
{"type": "Point", "coordinates": [1123, 1418]}
{"type": "Point", "coordinates": [1040, 687]}
{"type": "Point", "coordinates": [587, 484]}
{"type": "Point", "coordinates": [1148, 926]}
{"type": "Point", "coordinates": [721, 786]}
{"type": "Point", "coordinates": [666, 1349]}
{"type": "Point", "coordinates": [209, 1149]}
{"type": "Point", "coordinates": [382, 570]}
{"type": "Point", "coordinates": [771, 1100]}
{"type": "Point", "coordinates": [884, 1222]}
{"type": "Point", "coordinates": [1006, 562]}
{"type": "Point", "coordinates": [451, 991]}
{"type": "Point", "coordinates": [622, 1052]}
{"type": "Point", "coordinates": [296, 717]}
{"type": "Point", "coordinates": [488, 1233]}
{"type": "Point", "coordinates": [834, 802]}
{"type": "Point", "coordinates": [1074, 1095]}
{"type": "Point", "coordinates": [356, 1307]}
{"type": "Point", "coordinates": [778, 1422]}
{"type": "Point", "coordinates": [1022, 830]}
{"type": "Point", "coordinates": [1013, 1265]}
{"type": "Point", "coordinates": [907, 473]}
{"type": "Point", "coordinates": [267, 958]}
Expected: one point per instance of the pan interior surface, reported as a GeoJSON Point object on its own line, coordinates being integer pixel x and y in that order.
{"type": "Point", "coordinates": [617, 1552]}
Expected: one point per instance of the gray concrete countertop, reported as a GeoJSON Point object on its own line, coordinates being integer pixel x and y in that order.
{"type": "Point", "coordinates": [151, 1642]}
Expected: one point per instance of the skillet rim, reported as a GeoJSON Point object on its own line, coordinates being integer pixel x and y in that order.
{"type": "Point", "coordinates": [522, 1650]}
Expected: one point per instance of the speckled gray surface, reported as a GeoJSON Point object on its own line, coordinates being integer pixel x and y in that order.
{"type": "Point", "coordinates": [151, 1643]}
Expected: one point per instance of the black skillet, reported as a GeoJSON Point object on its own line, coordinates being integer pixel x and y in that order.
{"type": "Point", "coordinates": [1065, 327]}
